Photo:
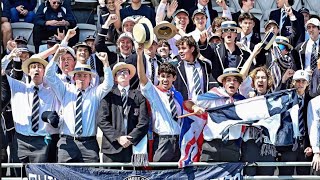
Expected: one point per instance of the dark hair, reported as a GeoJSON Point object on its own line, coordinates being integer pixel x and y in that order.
{"type": "Point", "coordinates": [216, 23]}
{"type": "Point", "coordinates": [264, 69]}
{"type": "Point", "coordinates": [191, 43]}
{"type": "Point", "coordinates": [165, 42]}
{"type": "Point", "coordinates": [240, 2]}
{"type": "Point", "coordinates": [167, 68]}
{"type": "Point", "coordinates": [244, 16]}
{"type": "Point", "coordinates": [290, 2]}
{"type": "Point", "coordinates": [239, 79]}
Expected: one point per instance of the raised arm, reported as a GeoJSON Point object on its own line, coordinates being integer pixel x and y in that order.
{"type": "Point", "coordinates": [140, 66]}
{"type": "Point", "coordinates": [246, 67]}
{"type": "Point", "coordinates": [107, 84]}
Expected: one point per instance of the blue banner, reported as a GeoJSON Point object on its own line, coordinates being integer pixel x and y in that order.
{"type": "Point", "coordinates": [226, 171]}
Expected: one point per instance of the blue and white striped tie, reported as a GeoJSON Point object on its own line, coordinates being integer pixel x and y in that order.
{"type": "Point", "coordinates": [300, 117]}
{"type": "Point", "coordinates": [283, 18]}
{"type": "Point", "coordinates": [314, 57]}
{"type": "Point", "coordinates": [35, 110]}
{"type": "Point", "coordinates": [196, 80]}
{"type": "Point", "coordinates": [78, 120]}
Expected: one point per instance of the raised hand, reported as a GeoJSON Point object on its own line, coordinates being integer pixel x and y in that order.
{"type": "Point", "coordinates": [171, 8]}
{"type": "Point", "coordinates": [139, 48]}
{"type": "Point", "coordinates": [11, 44]}
{"type": "Point", "coordinates": [111, 19]}
{"type": "Point", "coordinates": [14, 53]}
{"type": "Point", "coordinates": [60, 35]}
{"type": "Point", "coordinates": [222, 4]}
{"type": "Point", "coordinates": [71, 33]}
{"type": "Point", "coordinates": [203, 37]}
{"type": "Point", "coordinates": [103, 56]}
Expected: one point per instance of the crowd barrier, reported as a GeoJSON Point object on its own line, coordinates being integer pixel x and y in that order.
{"type": "Point", "coordinates": [171, 164]}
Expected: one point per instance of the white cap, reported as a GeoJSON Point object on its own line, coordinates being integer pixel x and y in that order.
{"type": "Point", "coordinates": [127, 19]}
{"type": "Point", "coordinates": [313, 21]}
{"type": "Point", "coordinates": [301, 74]}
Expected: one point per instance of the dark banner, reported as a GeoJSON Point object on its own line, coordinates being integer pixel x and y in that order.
{"type": "Point", "coordinates": [227, 171]}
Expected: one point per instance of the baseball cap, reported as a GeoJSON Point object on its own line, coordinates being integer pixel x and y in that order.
{"type": "Point", "coordinates": [301, 74]}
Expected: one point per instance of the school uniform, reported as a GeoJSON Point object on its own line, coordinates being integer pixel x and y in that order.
{"type": "Point", "coordinates": [114, 122]}
{"type": "Point", "coordinates": [213, 148]}
{"type": "Point", "coordinates": [75, 145]}
{"type": "Point", "coordinates": [166, 127]}
{"type": "Point", "coordinates": [31, 133]}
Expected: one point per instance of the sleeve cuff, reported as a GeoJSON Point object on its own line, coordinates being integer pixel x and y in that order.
{"type": "Point", "coordinates": [316, 149]}
{"type": "Point", "coordinates": [293, 18]}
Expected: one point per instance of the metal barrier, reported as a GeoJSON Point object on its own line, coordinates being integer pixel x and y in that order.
{"type": "Point", "coordinates": [167, 164]}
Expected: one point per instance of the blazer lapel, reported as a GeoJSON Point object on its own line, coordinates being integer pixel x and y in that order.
{"type": "Point", "coordinates": [239, 58]}
{"type": "Point", "coordinates": [119, 102]}
{"type": "Point", "coordinates": [131, 95]}
{"type": "Point", "coordinates": [205, 75]}
{"type": "Point", "coordinates": [182, 73]}
{"type": "Point", "coordinates": [221, 54]}
{"type": "Point", "coordinates": [302, 54]}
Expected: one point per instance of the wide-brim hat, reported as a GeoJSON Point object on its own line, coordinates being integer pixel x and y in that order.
{"type": "Point", "coordinates": [271, 22]}
{"type": "Point", "coordinates": [21, 39]}
{"type": "Point", "coordinates": [229, 25]}
{"type": "Point", "coordinates": [81, 68]}
{"type": "Point", "coordinates": [230, 72]}
{"type": "Point", "coordinates": [82, 44]}
{"type": "Point", "coordinates": [199, 11]}
{"type": "Point", "coordinates": [52, 40]}
{"type": "Point", "coordinates": [143, 32]}
{"type": "Point", "coordinates": [165, 30]}
{"type": "Point", "coordinates": [32, 59]}
{"type": "Point", "coordinates": [268, 40]}
{"type": "Point", "coordinates": [123, 65]}
{"type": "Point", "coordinates": [90, 37]}
{"type": "Point", "coordinates": [283, 40]}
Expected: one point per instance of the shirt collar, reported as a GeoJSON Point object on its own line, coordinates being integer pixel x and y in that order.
{"type": "Point", "coordinates": [200, 6]}
{"type": "Point", "coordinates": [121, 87]}
{"type": "Point", "coordinates": [40, 86]}
{"type": "Point", "coordinates": [248, 36]}
{"type": "Point", "coordinates": [312, 42]}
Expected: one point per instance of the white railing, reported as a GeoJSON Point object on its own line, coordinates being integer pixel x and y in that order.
{"type": "Point", "coordinates": [167, 164]}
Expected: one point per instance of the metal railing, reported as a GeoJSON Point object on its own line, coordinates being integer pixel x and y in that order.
{"type": "Point", "coordinates": [171, 164]}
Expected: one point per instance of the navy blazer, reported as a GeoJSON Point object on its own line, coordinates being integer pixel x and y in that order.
{"type": "Point", "coordinates": [110, 119]}
{"type": "Point", "coordinates": [181, 83]}
{"type": "Point", "coordinates": [298, 30]}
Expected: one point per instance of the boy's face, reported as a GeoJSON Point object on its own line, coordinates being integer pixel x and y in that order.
{"type": "Point", "coordinates": [36, 72]}
{"type": "Point", "coordinates": [67, 63]}
{"type": "Point", "coordinates": [82, 80]}
{"type": "Point", "coordinates": [185, 52]}
{"type": "Point", "coordinates": [247, 26]}
{"type": "Point", "coordinates": [122, 77]}
{"type": "Point", "coordinates": [166, 80]}
{"type": "Point", "coordinates": [261, 82]}
{"type": "Point", "coordinates": [231, 85]}
{"type": "Point", "coordinates": [82, 54]}
{"type": "Point", "coordinates": [301, 85]}
{"type": "Point", "coordinates": [200, 21]}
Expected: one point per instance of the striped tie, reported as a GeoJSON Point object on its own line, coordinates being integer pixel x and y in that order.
{"type": "Point", "coordinates": [78, 127]}
{"type": "Point", "coordinates": [196, 80]}
{"type": "Point", "coordinates": [283, 18]}
{"type": "Point", "coordinates": [151, 60]}
{"type": "Point", "coordinates": [245, 41]}
{"type": "Point", "coordinates": [68, 79]}
{"type": "Point", "coordinates": [300, 117]}
{"type": "Point", "coordinates": [92, 63]}
{"type": "Point", "coordinates": [276, 74]}
{"type": "Point", "coordinates": [314, 57]}
{"type": "Point", "coordinates": [35, 110]}
{"type": "Point", "coordinates": [124, 99]}
{"type": "Point", "coordinates": [173, 107]}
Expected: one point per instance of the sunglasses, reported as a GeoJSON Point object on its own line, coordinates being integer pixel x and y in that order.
{"type": "Point", "coordinates": [56, 2]}
{"type": "Point", "coordinates": [229, 30]}
{"type": "Point", "coordinates": [123, 71]}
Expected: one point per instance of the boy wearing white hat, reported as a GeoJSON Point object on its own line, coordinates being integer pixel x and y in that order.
{"type": "Point", "coordinates": [79, 104]}
{"type": "Point", "coordinates": [300, 150]}
{"type": "Point", "coordinates": [122, 117]}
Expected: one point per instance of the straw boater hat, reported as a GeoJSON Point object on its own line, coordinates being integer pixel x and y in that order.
{"type": "Point", "coordinates": [143, 32]}
{"type": "Point", "coordinates": [81, 68]}
{"type": "Point", "coordinates": [285, 41]}
{"type": "Point", "coordinates": [229, 25]}
{"type": "Point", "coordinates": [123, 65]}
{"type": "Point", "coordinates": [165, 30]}
{"type": "Point", "coordinates": [32, 59]}
{"type": "Point", "coordinates": [230, 72]}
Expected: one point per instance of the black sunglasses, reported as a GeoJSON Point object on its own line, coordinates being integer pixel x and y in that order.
{"type": "Point", "coordinates": [56, 2]}
{"type": "Point", "coordinates": [229, 30]}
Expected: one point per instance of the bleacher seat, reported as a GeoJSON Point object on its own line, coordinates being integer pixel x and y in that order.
{"type": "Point", "coordinates": [31, 48]}
{"type": "Point", "coordinates": [85, 30]}
{"type": "Point", "coordinates": [23, 29]}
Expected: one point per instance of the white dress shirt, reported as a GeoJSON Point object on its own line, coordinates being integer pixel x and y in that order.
{"type": "Point", "coordinates": [314, 123]}
{"type": "Point", "coordinates": [174, 48]}
{"type": "Point", "coordinates": [189, 75]}
{"type": "Point", "coordinates": [308, 53]}
{"type": "Point", "coordinates": [248, 38]}
{"type": "Point", "coordinates": [163, 123]}
{"type": "Point", "coordinates": [148, 68]}
{"type": "Point", "coordinates": [22, 102]}
{"type": "Point", "coordinates": [67, 95]}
